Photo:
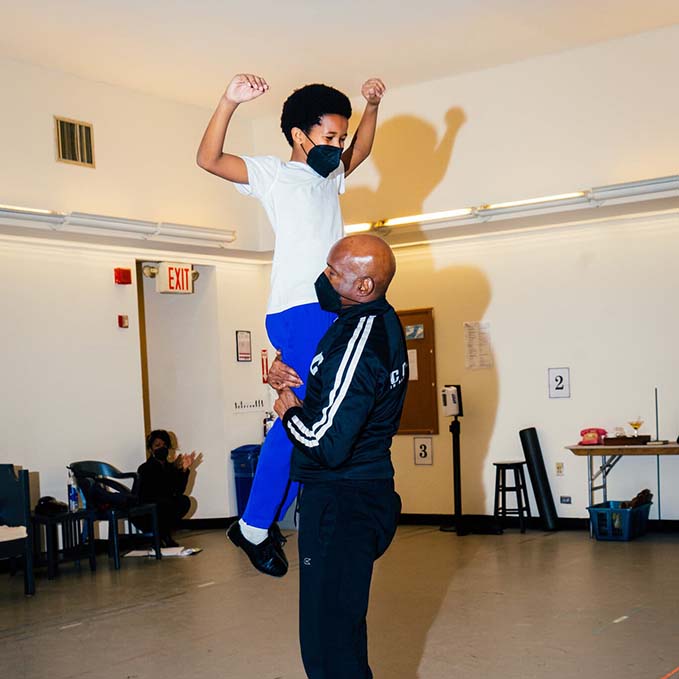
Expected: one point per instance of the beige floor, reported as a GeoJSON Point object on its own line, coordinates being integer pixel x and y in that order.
{"type": "Point", "coordinates": [517, 607]}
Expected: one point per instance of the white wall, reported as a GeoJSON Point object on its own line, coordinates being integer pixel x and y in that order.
{"type": "Point", "coordinates": [70, 377]}
{"type": "Point", "coordinates": [573, 120]}
{"type": "Point", "coordinates": [599, 299]}
{"type": "Point", "coordinates": [577, 119]}
{"type": "Point", "coordinates": [242, 293]}
{"type": "Point", "coordinates": [194, 378]}
{"type": "Point", "coordinates": [145, 150]}
{"type": "Point", "coordinates": [581, 118]}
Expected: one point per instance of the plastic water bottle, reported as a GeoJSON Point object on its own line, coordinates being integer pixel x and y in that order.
{"type": "Point", "coordinates": [269, 420]}
{"type": "Point", "coordinates": [72, 493]}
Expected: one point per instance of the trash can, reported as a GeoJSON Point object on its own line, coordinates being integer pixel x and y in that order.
{"type": "Point", "coordinates": [244, 466]}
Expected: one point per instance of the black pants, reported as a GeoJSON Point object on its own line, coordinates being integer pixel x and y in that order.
{"type": "Point", "coordinates": [344, 527]}
{"type": "Point", "coordinates": [170, 512]}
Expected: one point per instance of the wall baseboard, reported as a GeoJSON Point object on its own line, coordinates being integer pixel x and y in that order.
{"type": "Point", "coordinates": [654, 525]}
{"type": "Point", "coordinates": [534, 523]}
{"type": "Point", "coordinates": [208, 524]}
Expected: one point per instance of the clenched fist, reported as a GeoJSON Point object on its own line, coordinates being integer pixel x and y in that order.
{"type": "Point", "coordinates": [245, 87]}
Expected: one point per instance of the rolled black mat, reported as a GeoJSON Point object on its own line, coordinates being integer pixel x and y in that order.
{"type": "Point", "coordinates": [538, 477]}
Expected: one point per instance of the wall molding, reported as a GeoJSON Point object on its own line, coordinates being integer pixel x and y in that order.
{"type": "Point", "coordinates": [13, 240]}
{"type": "Point", "coordinates": [605, 206]}
{"type": "Point", "coordinates": [105, 226]}
{"type": "Point", "coordinates": [542, 226]}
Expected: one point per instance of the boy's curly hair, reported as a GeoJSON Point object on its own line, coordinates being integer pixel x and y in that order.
{"type": "Point", "coordinates": [305, 107]}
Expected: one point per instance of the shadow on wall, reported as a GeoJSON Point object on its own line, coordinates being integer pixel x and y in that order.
{"type": "Point", "coordinates": [192, 479]}
{"type": "Point", "coordinates": [458, 293]}
{"type": "Point", "coordinates": [412, 161]}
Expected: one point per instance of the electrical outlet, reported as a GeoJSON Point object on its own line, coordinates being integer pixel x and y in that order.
{"type": "Point", "coordinates": [565, 499]}
{"type": "Point", "coordinates": [559, 468]}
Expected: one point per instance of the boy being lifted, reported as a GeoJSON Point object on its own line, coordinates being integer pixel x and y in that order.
{"type": "Point", "coordinates": [301, 199]}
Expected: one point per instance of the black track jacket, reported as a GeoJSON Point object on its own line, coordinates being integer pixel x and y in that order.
{"type": "Point", "coordinates": [354, 397]}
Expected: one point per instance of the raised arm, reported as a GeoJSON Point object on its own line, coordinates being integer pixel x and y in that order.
{"type": "Point", "coordinates": [373, 90]}
{"type": "Point", "coordinates": [211, 157]}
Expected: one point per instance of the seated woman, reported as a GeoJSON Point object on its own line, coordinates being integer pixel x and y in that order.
{"type": "Point", "coordinates": [164, 483]}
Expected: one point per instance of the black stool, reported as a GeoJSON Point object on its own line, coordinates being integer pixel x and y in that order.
{"type": "Point", "coordinates": [522, 509]}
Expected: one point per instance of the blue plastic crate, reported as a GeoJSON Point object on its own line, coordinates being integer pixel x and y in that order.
{"type": "Point", "coordinates": [610, 521]}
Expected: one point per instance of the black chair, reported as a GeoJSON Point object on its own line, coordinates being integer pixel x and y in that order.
{"type": "Point", "coordinates": [15, 510]}
{"type": "Point", "coordinates": [111, 500]}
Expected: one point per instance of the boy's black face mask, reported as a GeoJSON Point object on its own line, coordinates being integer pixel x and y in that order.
{"type": "Point", "coordinates": [323, 158]}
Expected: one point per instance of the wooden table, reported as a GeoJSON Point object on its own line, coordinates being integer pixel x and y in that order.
{"type": "Point", "coordinates": [610, 456]}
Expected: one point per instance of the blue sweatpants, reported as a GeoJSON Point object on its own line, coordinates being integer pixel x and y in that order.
{"type": "Point", "coordinates": [295, 332]}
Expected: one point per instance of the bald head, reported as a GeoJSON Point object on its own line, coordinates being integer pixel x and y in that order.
{"type": "Point", "coordinates": [360, 268]}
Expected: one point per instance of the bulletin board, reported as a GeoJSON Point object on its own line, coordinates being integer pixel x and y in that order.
{"type": "Point", "coordinates": [420, 411]}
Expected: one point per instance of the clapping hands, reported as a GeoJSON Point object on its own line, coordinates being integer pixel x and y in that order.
{"type": "Point", "coordinates": [185, 462]}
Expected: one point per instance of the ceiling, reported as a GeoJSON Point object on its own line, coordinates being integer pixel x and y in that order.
{"type": "Point", "coordinates": [187, 50]}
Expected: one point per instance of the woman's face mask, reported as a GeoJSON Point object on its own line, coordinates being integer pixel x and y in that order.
{"type": "Point", "coordinates": [161, 453]}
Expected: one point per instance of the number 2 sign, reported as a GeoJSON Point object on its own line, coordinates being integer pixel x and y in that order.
{"type": "Point", "coordinates": [559, 382]}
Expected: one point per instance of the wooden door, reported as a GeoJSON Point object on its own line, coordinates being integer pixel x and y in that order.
{"type": "Point", "coordinates": [420, 412]}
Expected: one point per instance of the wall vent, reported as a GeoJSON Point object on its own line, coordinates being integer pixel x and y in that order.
{"type": "Point", "coordinates": [75, 141]}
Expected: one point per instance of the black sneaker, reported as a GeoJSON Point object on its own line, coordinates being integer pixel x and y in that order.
{"type": "Point", "coordinates": [278, 539]}
{"type": "Point", "coordinates": [264, 556]}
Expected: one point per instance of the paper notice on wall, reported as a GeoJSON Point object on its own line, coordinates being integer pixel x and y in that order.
{"type": "Point", "coordinates": [414, 332]}
{"type": "Point", "coordinates": [477, 353]}
{"type": "Point", "coordinates": [412, 365]}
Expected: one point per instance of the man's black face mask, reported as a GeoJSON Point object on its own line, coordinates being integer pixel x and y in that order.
{"type": "Point", "coordinates": [328, 297]}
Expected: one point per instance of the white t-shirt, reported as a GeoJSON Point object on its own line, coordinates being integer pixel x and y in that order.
{"type": "Point", "coordinates": [304, 212]}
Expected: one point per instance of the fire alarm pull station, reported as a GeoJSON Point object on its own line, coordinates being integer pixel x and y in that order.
{"type": "Point", "coordinates": [123, 321]}
{"type": "Point", "coordinates": [122, 276]}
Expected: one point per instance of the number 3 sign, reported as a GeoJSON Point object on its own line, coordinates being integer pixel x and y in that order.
{"type": "Point", "coordinates": [422, 447]}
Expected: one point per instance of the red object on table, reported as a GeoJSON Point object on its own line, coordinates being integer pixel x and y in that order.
{"type": "Point", "coordinates": [593, 436]}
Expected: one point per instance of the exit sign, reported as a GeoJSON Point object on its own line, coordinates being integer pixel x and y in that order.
{"type": "Point", "coordinates": [175, 278]}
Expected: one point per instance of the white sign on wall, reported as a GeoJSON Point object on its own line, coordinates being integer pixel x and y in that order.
{"type": "Point", "coordinates": [175, 278]}
{"type": "Point", "coordinates": [477, 351]}
{"type": "Point", "coordinates": [559, 382]}
{"type": "Point", "coordinates": [424, 452]}
{"type": "Point", "coordinates": [412, 365]}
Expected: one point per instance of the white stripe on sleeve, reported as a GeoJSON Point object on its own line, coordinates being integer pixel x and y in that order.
{"type": "Point", "coordinates": [310, 437]}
